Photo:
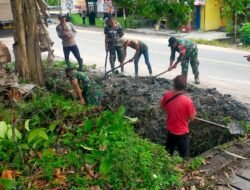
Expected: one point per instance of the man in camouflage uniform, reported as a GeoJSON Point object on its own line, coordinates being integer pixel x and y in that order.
{"type": "Point", "coordinates": [88, 91]}
{"type": "Point", "coordinates": [188, 53]}
{"type": "Point", "coordinates": [113, 32]}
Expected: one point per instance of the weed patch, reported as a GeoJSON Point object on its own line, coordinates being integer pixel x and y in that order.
{"type": "Point", "coordinates": [67, 145]}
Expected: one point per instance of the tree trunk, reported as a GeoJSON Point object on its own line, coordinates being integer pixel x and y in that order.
{"type": "Point", "coordinates": [26, 46]}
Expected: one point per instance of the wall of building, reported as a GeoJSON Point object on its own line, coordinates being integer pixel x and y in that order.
{"type": "Point", "coordinates": [5, 11]}
{"type": "Point", "coordinates": [211, 18]}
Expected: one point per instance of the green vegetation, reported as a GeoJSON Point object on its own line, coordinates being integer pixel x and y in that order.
{"type": "Point", "coordinates": [245, 34]}
{"type": "Point", "coordinates": [59, 143]}
{"type": "Point", "coordinates": [195, 164]}
{"type": "Point", "coordinates": [218, 43]}
{"type": "Point", "coordinates": [77, 19]}
{"type": "Point", "coordinates": [53, 2]}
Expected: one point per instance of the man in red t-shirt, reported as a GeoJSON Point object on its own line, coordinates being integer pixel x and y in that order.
{"type": "Point", "coordinates": [180, 110]}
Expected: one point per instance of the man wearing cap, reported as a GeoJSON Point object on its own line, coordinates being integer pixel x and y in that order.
{"type": "Point", "coordinates": [140, 49]}
{"type": "Point", "coordinates": [66, 31]}
{"type": "Point", "coordinates": [113, 32]}
{"type": "Point", "coordinates": [88, 91]}
{"type": "Point", "coordinates": [188, 52]}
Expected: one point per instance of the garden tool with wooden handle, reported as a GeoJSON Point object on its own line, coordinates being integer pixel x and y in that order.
{"type": "Point", "coordinates": [233, 127]}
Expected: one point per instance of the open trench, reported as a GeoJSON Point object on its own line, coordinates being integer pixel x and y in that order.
{"type": "Point", "coordinates": [141, 99]}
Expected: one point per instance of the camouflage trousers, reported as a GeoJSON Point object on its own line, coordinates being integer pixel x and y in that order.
{"type": "Point", "coordinates": [113, 50]}
{"type": "Point", "coordinates": [194, 62]}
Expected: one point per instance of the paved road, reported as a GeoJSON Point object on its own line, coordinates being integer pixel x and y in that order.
{"type": "Point", "coordinates": [223, 68]}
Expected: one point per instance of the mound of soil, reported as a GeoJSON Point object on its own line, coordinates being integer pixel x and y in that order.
{"type": "Point", "coordinates": [141, 99]}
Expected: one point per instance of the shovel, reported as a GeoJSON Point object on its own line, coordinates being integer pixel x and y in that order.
{"type": "Point", "coordinates": [233, 127]}
{"type": "Point", "coordinates": [161, 74]}
{"type": "Point", "coordinates": [106, 60]}
{"type": "Point", "coordinates": [115, 68]}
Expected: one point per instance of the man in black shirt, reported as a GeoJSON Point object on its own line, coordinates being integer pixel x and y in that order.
{"type": "Point", "coordinates": [113, 32]}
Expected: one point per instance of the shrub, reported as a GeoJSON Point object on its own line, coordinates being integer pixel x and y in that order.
{"type": "Point", "coordinates": [245, 34]}
{"type": "Point", "coordinates": [79, 147]}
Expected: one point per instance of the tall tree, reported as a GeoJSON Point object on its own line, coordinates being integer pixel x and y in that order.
{"type": "Point", "coordinates": [26, 37]}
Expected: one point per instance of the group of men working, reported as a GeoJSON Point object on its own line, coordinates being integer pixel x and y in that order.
{"type": "Point", "coordinates": [179, 107]}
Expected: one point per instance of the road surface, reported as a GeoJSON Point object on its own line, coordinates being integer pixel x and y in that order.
{"type": "Point", "coordinates": [221, 68]}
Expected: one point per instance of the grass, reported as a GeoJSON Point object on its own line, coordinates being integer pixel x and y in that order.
{"type": "Point", "coordinates": [77, 20]}
{"type": "Point", "coordinates": [218, 43]}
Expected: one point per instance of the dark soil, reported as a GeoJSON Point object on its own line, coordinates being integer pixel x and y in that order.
{"type": "Point", "coordinates": [141, 98]}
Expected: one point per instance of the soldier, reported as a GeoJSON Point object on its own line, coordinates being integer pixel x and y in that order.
{"type": "Point", "coordinates": [113, 32]}
{"type": "Point", "coordinates": [88, 91]}
{"type": "Point", "coordinates": [188, 53]}
{"type": "Point", "coordinates": [140, 48]}
{"type": "Point", "coordinates": [67, 32]}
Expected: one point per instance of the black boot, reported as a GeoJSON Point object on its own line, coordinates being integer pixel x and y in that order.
{"type": "Point", "coordinates": [196, 80]}
{"type": "Point", "coordinates": [80, 62]}
{"type": "Point", "coordinates": [68, 64]}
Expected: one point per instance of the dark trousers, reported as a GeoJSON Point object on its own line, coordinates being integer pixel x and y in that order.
{"type": "Point", "coordinates": [113, 50]}
{"type": "Point", "coordinates": [74, 49]}
{"type": "Point", "coordinates": [143, 51]}
{"type": "Point", "coordinates": [179, 141]}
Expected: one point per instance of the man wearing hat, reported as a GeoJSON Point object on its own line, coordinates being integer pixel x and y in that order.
{"type": "Point", "coordinates": [113, 33]}
{"type": "Point", "coordinates": [88, 91]}
{"type": "Point", "coordinates": [188, 52]}
{"type": "Point", "coordinates": [66, 31]}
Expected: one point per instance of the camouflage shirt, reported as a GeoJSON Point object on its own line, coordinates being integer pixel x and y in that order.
{"type": "Point", "coordinates": [113, 34]}
{"type": "Point", "coordinates": [186, 48]}
{"type": "Point", "coordinates": [91, 91]}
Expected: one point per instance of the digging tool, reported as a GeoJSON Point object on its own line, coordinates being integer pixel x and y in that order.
{"type": "Point", "coordinates": [161, 73]}
{"type": "Point", "coordinates": [233, 128]}
{"type": "Point", "coordinates": [106, 60]}
{"type": "Point", "coordinates": [116, 68]}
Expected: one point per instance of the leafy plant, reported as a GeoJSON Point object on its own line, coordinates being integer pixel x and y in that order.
{"type": "Point", "coordinates": [6, 131]}
{"type": "Point", "coordinates": [195, 163]}
{"type": "Point", "coordinates": [178, 15]}
{"type": "Point", "coordinates": [8, 184]}
{"type": "Point", "coordinates": [78, 147]}
{"type": "Point", "coordinates": [245, 34]}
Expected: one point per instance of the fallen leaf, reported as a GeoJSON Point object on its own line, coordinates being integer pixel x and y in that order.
{"type": "Point", "coordinates": [60, 178]}
{"type": "Point", "coordinates": [202, 182]}
{"type": "Point", "coordinates": [193, 187]}
{"type": "Point", "coordinates": [89, 170]}
{"type": "Point", "coordinates": [102, 147]}
{"type": "Point", "coordinates": [95, 188]}
{"type": "Point", "coordinates": [39, 184]}
{"type": "Point", "coordinates": [7, 174]}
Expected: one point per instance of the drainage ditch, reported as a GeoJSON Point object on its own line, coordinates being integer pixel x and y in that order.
{"type": "Point", "coordinates": [141, 99]}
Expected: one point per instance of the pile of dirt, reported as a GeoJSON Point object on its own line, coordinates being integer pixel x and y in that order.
{"type": "Point", "coordinates": [141, 98]}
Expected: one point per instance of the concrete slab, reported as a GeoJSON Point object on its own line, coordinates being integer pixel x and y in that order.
{"type": "Point", "coordinates": [239, 183]}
